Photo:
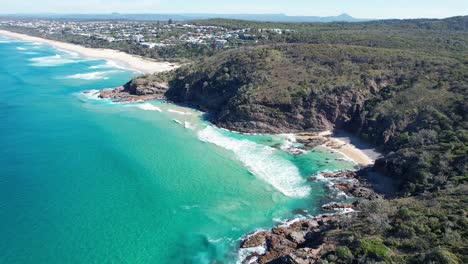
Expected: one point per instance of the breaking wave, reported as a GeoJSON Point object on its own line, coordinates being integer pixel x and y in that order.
{"type": "Point", "coordinates": [108, 65]}
{"type": "Point", "coordinates": [262, 161]}
{"type": "Point", "coordinates": [148, 107]}
{"type": "Point", "coordinates": [101, 75]}
{"type": "Point", "coordinates": [179, 112]}
{"type": "Point", "coordinates": [49, 61]}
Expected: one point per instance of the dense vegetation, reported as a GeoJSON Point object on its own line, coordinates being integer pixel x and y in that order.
{"type": "Point", "coordinates": [430, 228]}
{"type": "Point", "coordinates": [444, 36]}
{"type": "Point", "coordinates": [411, 104]}
{"type": "Point", "coordinates": [409, 100]}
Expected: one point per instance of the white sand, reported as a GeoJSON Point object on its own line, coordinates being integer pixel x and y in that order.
{"type": "Point", "coordinates": [141, 64]}
{"type": "Point", "coordinates": [362, 155]}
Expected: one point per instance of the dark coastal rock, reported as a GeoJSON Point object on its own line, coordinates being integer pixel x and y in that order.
{"type": "Point", "coordinates": [310, 141]}
{"type": "Point", "coordinates": [297, 242]}
{"type": "Point", "coordinates": [300, 256]}
{"type": "Point", "coordinates": [340, 174]}
{"type": "Point", "coordinates": [138, 89]}
{"type": "Point", "coordinates": [255, 240]}
{"type": "Point", "coordinates": [351, 183]}
{"type": "Point", "coordinates": [366, 193]}
{"type": "Point", "coordinates": [335, 206]}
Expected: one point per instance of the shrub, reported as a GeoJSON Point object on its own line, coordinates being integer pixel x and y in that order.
{"type": "Point", "coordinates": [344, 254]}
{"type": "Point", "coordinates": [374, 248]}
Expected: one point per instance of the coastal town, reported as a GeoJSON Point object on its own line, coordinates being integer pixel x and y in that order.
{"type": "Point", "coordinates": [151, 34]}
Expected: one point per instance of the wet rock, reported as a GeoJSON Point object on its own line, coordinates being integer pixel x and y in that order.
{"type": "Point", "coordinates": [136, 90]}
{"type": "Point", "coordinates": [297, 237]}
{"type": "Point", "coordinates": [363, 192]}
{"type": "Point", "coordinates": [335, 206]}
{"type": "Point", "coordinates": [255, 240]}
{"type": "Point", "coordinates": [297, 242]}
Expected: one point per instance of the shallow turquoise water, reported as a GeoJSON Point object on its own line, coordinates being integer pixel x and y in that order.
{"type": "Point", "coordinates": [87, 181]}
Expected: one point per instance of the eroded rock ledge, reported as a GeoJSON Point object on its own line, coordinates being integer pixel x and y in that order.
{"type": "Point", "coordinates": [138, 89]}
{"type": "Point", "coordinates": [303, 240]}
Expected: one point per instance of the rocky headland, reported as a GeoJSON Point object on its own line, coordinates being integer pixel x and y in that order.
{"type": "Point", "coordinates": [139, 89]}
{"type": "Point", "coordinates": [411, 105]}
{"type": "Point", "coordinates": [303, 240]}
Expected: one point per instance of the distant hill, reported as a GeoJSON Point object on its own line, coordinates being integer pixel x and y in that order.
{"type": "Point", "coordinates": [185, 17]}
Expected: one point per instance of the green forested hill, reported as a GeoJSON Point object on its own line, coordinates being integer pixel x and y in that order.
{"type": "Point", "coordinates": [411, 104]}
{"type": "Point", "coordinates": [401, 85]}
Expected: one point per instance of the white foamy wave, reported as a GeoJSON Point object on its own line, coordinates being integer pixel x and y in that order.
{"type": "Point", "coordinates": [148, 107]}
{"type": "Point", "coordinates": [30, 53]}
{"type": "Point", "coordinates": [290, 145]}
{"type": "Point", "coordinates": [179, 112]}
{"type": "Point", "coordinates": [20, 48]}
{"type": "Point", "coordinates": [71, 53]}
{"type": "Point", "coordinates": [109, 65]}
{"type": "Point", "coordinates": [262, 161]}
{"type": "Point", "coordinates": [49, 61]}
{"type": "Point", "coordinates": [244, 253]}
{"type": "Point", "coordinates": [102, 75]}
{"type": "Point", "coordinates": [5, 41]}
{"type": "Point", "coordinates": [188, 125]}
{"type": "Point", "coordinates": [90, 95]}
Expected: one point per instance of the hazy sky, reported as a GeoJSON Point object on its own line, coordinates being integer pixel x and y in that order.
{"type": "Point", "coordinates": [356, 8]}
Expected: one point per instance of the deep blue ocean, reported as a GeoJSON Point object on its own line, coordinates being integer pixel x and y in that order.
{"type": "Point", "coordinates": [84, 180]}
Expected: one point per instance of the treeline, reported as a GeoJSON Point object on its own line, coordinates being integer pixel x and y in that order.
{"type": "Point", "coordinates": [449, 35]}
{"type": "Point", "coordinates": [183, 52]}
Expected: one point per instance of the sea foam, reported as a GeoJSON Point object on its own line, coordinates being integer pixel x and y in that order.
{"type": "Point", "coordinates": [49, 61]}
{"type": "Point", "coordinates": [262, 161]}
{"type": "Point", "coordinates": [100, 75]}
{"type": "Point", "coordinates": [148, 107]}
{"type": "Point", "coordinates": [109, 64]}
{"type": "Point", "coordinates": [179, 112]}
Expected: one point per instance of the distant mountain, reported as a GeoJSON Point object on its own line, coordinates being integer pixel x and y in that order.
{"type": "Point", "coordinates": [185, 17]}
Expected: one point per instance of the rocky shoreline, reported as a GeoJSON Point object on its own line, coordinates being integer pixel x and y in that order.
{"type": "Point", "coordinates": [303, 240]}
{"type": "Point", "coordinates": [136, 90]}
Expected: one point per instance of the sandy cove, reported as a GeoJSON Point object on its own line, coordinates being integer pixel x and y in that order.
{"type": "Point", "coordinates": [138, 63]}
{"type": "Point", "coordinates": [346, 144]}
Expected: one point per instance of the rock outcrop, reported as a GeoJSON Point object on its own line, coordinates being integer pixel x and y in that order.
{"type": "Point", "coordinates": [351, 184]}
{"type": "Point", "coordinates": [138, 89]}
{"type": "Point", "coordinates": [299, 242]}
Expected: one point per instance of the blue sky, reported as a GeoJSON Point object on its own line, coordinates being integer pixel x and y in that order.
{"type": "Point", "coordinates": [356, 8]}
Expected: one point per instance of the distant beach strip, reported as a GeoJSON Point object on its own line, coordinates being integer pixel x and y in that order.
{"type": "Point", "coordinates": [133, 62]}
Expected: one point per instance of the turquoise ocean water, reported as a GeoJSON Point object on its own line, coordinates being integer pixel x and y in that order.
{"type": "Point", "coordinates": [84, 180]}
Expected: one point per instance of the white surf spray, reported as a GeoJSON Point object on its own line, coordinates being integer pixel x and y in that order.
{"type": "Point", "coordinates": [178, 112]}
{"type": "Point", "coordinates": [262, 161]}
{"type": "Point", "coordinates": [188, 125]}
{"type": "Point", "coordinates": [49, 61]}
{"type": "Point", "coordinates": [71, 53]}
{"type": "Point", "coordinates": [290, 145]}
{"type": "Point", "coordinates": [243, 253]}
{"type": "Point", "coordinates": [100, 75]}
{"type": "Point", "coordinates": [20, 48]}
{"type": "Point", "coordinates": [148, 107]}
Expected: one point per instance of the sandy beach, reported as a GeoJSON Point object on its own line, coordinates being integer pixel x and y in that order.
{"type": "Point", "coordinates": [348, 145]}
{"type": "Point", "coordinates": [141, 64]}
